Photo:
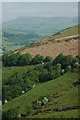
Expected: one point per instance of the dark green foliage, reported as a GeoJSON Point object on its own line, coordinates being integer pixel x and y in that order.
{"type": "Point", "coordinates": [44, 76]}
{"type": "Point", "coordinates": [39, 67]}
{"type": "Point", "coordinates": [58, 59]}
{"type": "Point", "coordinates": [63, 60]}
{"type": "Point", "coordinates": [17, 83]}
{"type": "Point", "coordinates": [37, 59]}
{"type": "Point", "coordinates": [52, 73]}
{"type": "Point", "coordinates": [47, 59]}
{"type": "Point", "coordinates": [10, 114]}
{"type": "Point", "coordinates": [16, 59]}
{"type": "Point", "coordinates": [10, 60]}
{"type": "Point", "coordinates": [24, 59]}
{"type": "Point", "coordinates": [57, 69]}
{"type": "Point", "coordinates": [48, 65]}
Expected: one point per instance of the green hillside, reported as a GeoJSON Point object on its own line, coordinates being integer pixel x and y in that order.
{"type": "Point", "coordinates": [61, 92]}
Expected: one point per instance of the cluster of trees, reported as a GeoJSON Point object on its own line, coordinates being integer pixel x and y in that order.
{"type": "Point", "coordinates": [23, 59]}
{"type": "Point", "coordinates": [20, 83]}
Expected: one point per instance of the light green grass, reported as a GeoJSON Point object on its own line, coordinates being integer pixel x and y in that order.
{"type": "Point", "coordinates": [62, 87]}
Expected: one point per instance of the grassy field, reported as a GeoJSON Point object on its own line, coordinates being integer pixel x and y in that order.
{"type": "Point", "coordinates": [60, 90]}
{"type": "Point", "coordinates": [9, 71]}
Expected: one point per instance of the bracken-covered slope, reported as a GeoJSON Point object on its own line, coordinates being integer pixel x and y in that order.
{"type": "Point", "coordinates": [63, 97]}
{"type": "Point", "coordinates": [65, 41]}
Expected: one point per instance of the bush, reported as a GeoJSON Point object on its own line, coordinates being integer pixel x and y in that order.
{"type": "Point", "coordinates": [44, 76]}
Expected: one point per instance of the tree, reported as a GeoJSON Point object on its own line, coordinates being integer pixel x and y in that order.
{"type": "Point", "coordinates": [24, 59]}
{"type": "Point", "coordinates": [44, 76]}
{"type": "Point", "coordinates": [48, 65]}
{"type": "Point", "coordinates": [67, 60]}
{"type": "Point", "coordinates": [63, 60]}
{"type": "Point", "coordinates": [52, 73]}
{"type": "Point", "coordinates": [58, 59]}
{"type": "Point", "coordinates": [47, 59]}
{"type": "Point", "coordinates": [57, 69]}
{"type": "Point", "coordinates": [37, 59]}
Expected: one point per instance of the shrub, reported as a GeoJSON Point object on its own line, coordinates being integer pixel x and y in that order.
{"type": "Point", "coordinates": [43, 77]}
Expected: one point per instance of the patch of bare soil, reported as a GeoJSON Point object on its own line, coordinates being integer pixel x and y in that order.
{"type": "Point", "coordinates": [53, 48]}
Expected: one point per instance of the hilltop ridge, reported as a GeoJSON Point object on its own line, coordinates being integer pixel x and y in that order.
{"type": "Point", "coordinates": [65, 41]}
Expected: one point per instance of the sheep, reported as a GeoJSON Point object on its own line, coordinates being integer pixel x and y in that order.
{"type": "Point", "coordinates": [5, 101]}
{"type": "Point", "coordinates": [63, 71]}
{"type": "Point", "coordinates": [19, 115]}
{"type": "Point", "coordinates": [23, 92]}
{"type": "Point", "coordinates": [45, 99]}
{"type": "Point", "coordinates": [33, 86]}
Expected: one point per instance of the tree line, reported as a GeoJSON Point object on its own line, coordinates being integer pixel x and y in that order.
{"type": "Point", "coordinates": [23, 59]}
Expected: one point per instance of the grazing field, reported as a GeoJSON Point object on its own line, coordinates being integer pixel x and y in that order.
{"type": "Point", "coordinates": [61, 92]}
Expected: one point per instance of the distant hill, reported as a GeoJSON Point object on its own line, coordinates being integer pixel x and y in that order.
{"type": "Point", "coordinates": [25, 30]}
{"type": "Point", "coordinates": [65, 41]}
